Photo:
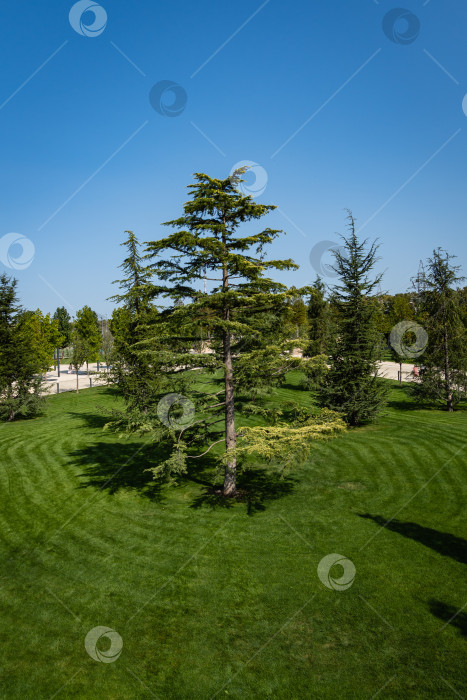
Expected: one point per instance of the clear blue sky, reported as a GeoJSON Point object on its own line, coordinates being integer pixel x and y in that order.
{"type": "Point", "coordinates": [386, 132]}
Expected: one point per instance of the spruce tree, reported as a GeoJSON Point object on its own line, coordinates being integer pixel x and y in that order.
{"type": "Point", "coordinates": [352, 385]}
{"type": "Point", "coordinates": [132, 371]}
{"type": "Point", "coordinates": [444, 362]}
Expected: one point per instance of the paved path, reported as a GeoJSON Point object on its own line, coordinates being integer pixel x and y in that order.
{"type": "Point", "coordinates": [67, 381]}
{"type": "Point", "coordinates": [390, 371]}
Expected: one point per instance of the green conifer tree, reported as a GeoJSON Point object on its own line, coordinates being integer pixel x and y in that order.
{"type": "Point", "coordinates": [352, 385]}
{"type": "Point", "coordinates": [243, 317]}
{"type": "Point", "coordinates": [444, 361]}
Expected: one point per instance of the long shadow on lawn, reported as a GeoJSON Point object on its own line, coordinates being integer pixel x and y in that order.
{"type": "Point", "coordinates": [442, 542]}
{"type": "Point", "coordinates": [450, 615]}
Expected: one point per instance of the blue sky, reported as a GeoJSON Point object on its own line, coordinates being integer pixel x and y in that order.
{"type": "Point", "coordinates": [86, 156]}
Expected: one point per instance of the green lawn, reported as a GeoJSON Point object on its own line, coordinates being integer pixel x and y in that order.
{"type": "Point", "coordinates": [215, 601]}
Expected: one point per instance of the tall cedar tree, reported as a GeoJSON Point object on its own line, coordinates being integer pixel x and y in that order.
{"type": "Point", "coordinates": [87, 329]}
{"type": "Point", "coordinates": [242, 315]}
{"type": "Point", "coordinates": [444, 363]}
{"type": "Point", "coordinates": [20, 367]}
{"type": "Point", "coordinates": [352, 385]}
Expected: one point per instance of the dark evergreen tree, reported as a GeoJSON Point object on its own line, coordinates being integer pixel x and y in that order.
{"type": "Point", "coordinates": [444, 362]}
{"type": "Point", "coordinates": [352, 385]}
{"type": "Point", "coordinates": [135, 375]}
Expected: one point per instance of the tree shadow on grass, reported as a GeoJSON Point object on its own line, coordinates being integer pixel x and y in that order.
{"type": "Point", "coordinates": [442, 542]}
{"type": "Point", "coordinates": [255, 487]}
{"type": "Point", "coordinates": [405, 401]}
{"type": "Point", "coordinates": [116, 466]}
{"type": "Point", "coordinates": [92, 420]}
{"type": "Point", "coordinates": [450, 615]}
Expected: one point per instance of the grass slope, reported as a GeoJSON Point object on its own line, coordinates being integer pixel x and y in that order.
{"type": "Point", "coordinates": [215, 601]}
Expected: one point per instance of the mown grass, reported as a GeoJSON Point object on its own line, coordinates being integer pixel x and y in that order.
{"type": "Point", "coordinates": [223, 600]}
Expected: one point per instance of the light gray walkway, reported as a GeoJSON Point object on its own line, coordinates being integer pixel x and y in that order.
{"type": "Point", "coordinates": [390, 371]}
{"type": "Point", "coordinates": [67, 380]}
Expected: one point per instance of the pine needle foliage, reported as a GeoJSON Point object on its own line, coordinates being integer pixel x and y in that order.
{"type": "Point", "coordinates": [220, 313]}
{"type": "Point", "coordinates": [352, 385]}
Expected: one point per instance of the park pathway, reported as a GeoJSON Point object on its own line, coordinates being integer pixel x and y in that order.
{"type": "Point", "coordinates": [67, 381]}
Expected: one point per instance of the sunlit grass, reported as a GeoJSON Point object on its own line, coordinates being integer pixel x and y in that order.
{"type": "Point", "coordinates": [224, 598]}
